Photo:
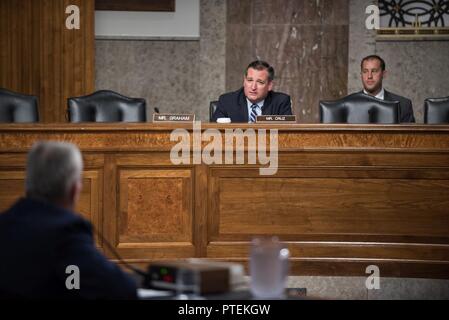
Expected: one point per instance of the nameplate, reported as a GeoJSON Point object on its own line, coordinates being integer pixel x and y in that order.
{"type": "Point", "coordinates": [276, 119]}
{"type": "Point", "coordinates": [168, 117]}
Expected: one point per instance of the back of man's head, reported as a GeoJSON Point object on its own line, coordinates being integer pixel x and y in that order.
{"type": "Point", "coordinates": [53, 169]}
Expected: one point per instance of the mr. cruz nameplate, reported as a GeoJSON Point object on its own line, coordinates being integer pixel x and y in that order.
{"type": "Point", "coordinates": [276, 119]}
{"type": "Point", "coordinates": [167, 117]}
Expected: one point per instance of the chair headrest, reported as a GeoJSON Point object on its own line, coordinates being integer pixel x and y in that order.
{"type": "Point", "coordinates": [436, 110]}
{"type": "Point", "coordinates": [17, 107]}
{"type": "Point", "coordinates": [359, 108]}
{"type": "Point", "coordinates": [106, 106]}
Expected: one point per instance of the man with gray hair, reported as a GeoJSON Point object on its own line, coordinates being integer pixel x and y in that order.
{"type": "Point", "coordinates": [46, 250]}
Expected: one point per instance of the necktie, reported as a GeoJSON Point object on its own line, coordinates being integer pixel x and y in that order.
{"type": "Point", "coordinates": [253, 115]}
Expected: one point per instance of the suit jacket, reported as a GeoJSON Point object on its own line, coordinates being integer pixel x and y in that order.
{"type": "Point", "coordinates": [39, 240]}
{"type": "Point", "coordinates": [405, 106]}
{"type": "Point", "coordinates": [234, 105]}
{"type": "Point", "coordinates": [406, 109]}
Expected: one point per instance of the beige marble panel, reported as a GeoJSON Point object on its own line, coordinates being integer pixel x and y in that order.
{"type": "Point", "coordinates": [212, 76]}
{"type": "Point", "coordinates": [304, 94]}
{"type": "Point", "coordinates": [305, 41]}
{"type": "Point", "coordinates": [291, 49]}
{"type": "Point", "coordinates": [335, 12]}
{"type": "Point", "coordinates": [175, 76]}
{"type": "Point", "coordinates": [303, 12]}
{"type": "Point", "coordinates": [334, 62]}
{"type": "Point", "coordinates": [165, 73]}
{"type": "Point", "coordinates": [238, 54]}
{"type": "Point", "coordinates": [239, 11]}
{"type": "Point", "coordinates": [416, 70]}
{"type": "Point", "coordinates": [295, 53]}
{"type": "Point", "coordinates": [362, 42]}
{"type": "Point", "coordinates": [293, 87]}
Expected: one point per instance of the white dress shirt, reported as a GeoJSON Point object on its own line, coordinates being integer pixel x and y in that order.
{"type": "Point", "coordinates": [380, 95]}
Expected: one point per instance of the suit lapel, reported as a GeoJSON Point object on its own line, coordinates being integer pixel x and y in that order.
{"type": "Point", "coordinates": [243, 106]}
{"type": "Point", "coordinates": [387, 96]}
{"type": "Point", "coordinates": [267, 106]}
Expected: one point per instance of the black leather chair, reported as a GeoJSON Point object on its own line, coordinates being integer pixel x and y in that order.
{"type": "Point", "coordinates": [359, 108]}
{"type": "Point", "coordinates": [436, 110]}
{"type": "Point", "coordinates": [16, 107]}
{"type": "Point", "coordinates": [212, 108]}
{"type": "Point", "coordinates": [106, 106]}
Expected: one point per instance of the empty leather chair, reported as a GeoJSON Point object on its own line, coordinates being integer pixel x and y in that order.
{"type": "Point", "coordinates": [106, 106]}
{"type": "Point", "coordinates": [212, 108]}
{"type": "Point", "coordinates": [359, 108]}
{"type": "Point", "coordinates": [436, 110]}
{"type": "Point", "coordinates": [16, 107]}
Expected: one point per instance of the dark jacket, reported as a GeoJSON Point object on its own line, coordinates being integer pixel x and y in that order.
{"type": "Point", "coordinates": [39, 240]}
{"type": "Point", "coordinates": [406, 109]}
{"type": "Point", "coordinates": [234, 105]}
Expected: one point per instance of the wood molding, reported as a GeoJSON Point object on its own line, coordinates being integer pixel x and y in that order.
{"type": "Point", "coordinates": [135, 5]}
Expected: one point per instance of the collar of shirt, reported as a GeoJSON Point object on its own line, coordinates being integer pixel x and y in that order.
{"type": "Point", "coordinates": [258, 110]}
{"type": "Point", "coordinates": [380, 95]}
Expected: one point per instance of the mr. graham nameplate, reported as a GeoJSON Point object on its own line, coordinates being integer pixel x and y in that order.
{"type": "Point", "coordinates": [169, 117]}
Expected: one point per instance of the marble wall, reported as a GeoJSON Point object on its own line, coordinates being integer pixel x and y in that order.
{"type": "Point", "coordinates": [174, 75]}
{"type": "Point", "coordinates": [305, 41]}
{"type": "Point", "coordinates": [315, 47]}
{"type": "Point", "coordinates": [415, 69]}
{"type": "Point", "coordinates": [165, 73]}
{"type": "Point", "coordinates": [212, 54]}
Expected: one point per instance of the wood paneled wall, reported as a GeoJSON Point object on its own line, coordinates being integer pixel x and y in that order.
{"type": "Point", "coordinates": [40, 56]}
{"type": "Point", "coordinates": [135, 5]}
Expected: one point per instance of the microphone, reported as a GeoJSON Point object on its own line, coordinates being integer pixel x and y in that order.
{"type": "Point", "coordinates": [156, 110]}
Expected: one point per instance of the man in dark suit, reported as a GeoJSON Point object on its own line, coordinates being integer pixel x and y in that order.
{"type": "Point", "coordinates": [254, 98]}
{"type": "Point", "coordinates": [373, 72]}
{"type": "Point", "coordinates": [47, 250]}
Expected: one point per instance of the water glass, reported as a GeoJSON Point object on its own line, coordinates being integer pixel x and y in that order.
{"type": "Point", "coordinates": [269, 268]}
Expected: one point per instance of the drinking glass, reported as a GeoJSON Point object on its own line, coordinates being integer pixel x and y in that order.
{"type": "Point", "coordinates": [268, 267]}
